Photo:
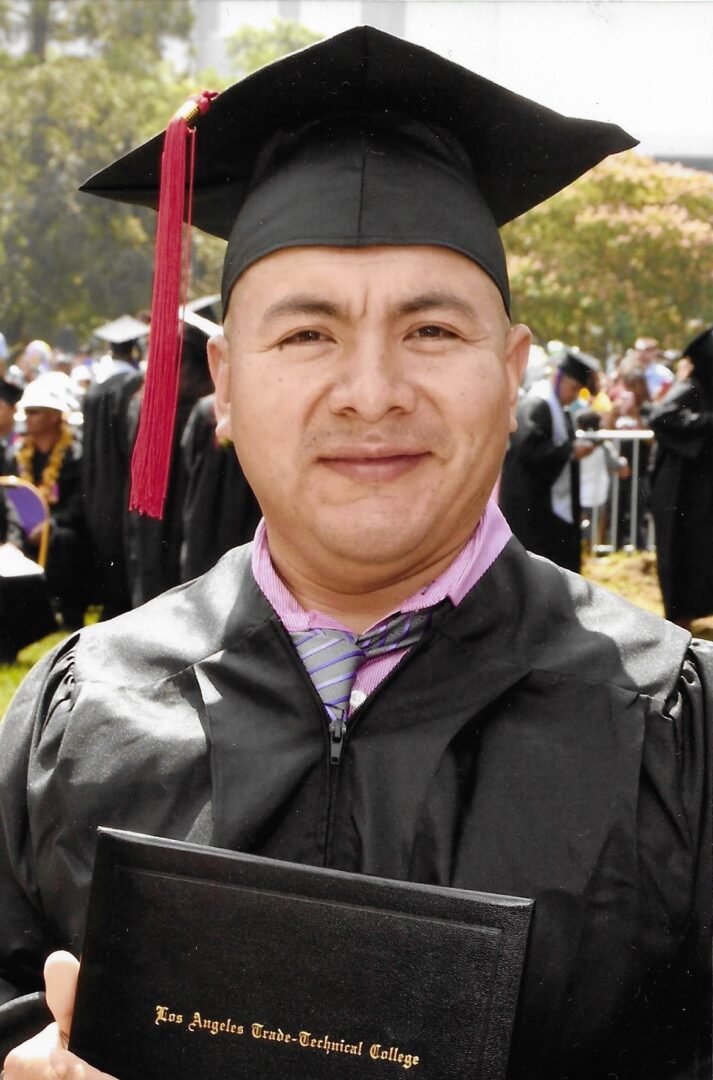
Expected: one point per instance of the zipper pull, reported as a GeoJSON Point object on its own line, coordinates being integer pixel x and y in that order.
{"type": "Point", "coordinates": [337, 731]}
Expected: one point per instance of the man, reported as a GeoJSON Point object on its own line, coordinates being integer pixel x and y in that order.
{"type": "Point", "coordinates": [106, 457]}
{"type": "Point", "coordinates": [505, 740]}
{"type": "Point", "coordinates": [682, 485]}
{"type": "Point", "coordinates": [539, 491]}
{"type": "Point", "coordinates": [659, 378]}
{"type": "Point", "coordinates": [49, 456]}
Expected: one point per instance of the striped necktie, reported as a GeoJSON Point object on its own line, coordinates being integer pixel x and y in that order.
{"type": "Point", "coordinates": [332, 657]}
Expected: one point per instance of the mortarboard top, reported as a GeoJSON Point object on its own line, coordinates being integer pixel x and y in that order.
{"type": "Point", "coordinates": [368, 139]}
{"type": "Point", "coordinates": [206, 306]}
{"type": "Point", "coordinates": [199, 322]}
{"type": "Point", "coordinates": [578, 365]}
{"type": "Point", "coordinates": [122, 330]}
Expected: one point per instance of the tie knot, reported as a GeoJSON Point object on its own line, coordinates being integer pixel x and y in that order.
{"type": "Point", "coordinates": [332, 657]}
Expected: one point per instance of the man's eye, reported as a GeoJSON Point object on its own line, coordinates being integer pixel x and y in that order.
{"type": "Point", "coordinates": [303, 336]}
{"type": "Point", "coordinates": [433, 332]}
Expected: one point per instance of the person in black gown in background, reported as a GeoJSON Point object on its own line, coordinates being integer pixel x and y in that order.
{"type": "Point", "coordinates": [682, 485]}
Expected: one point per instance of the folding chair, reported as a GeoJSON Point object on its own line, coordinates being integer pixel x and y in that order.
{"type": "Point", "coordinates": [31, 508]}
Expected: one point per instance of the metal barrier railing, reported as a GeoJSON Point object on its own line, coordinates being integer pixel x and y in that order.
{"type": "Point", "coordinates": [620, 518]}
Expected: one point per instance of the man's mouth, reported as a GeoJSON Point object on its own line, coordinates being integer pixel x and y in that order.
{"type": "Point", "coordinates": [374, 466]}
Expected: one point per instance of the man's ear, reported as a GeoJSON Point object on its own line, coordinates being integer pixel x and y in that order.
{"type": "Point", "coordinates": [219, 364]}
{"type": "Point", "coordinates": [517, 353]}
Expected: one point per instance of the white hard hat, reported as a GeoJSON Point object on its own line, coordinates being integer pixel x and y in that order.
{"type": "Point", "coordinates": [53, 390]}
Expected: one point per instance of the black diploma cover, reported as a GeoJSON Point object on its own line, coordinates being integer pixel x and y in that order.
{"type": "Point", "coordinates": [206, 963]}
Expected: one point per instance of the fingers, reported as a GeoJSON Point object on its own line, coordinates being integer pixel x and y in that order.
{"type": "Point", "coordinates": [61, 970]}
{"type": "Point", "coordinates": [30, 1060]}
{"type": "Point", "coordinates": [66, 1066]}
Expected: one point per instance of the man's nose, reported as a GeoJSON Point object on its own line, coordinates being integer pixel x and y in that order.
{"type": "Point", "coordinates": [372, 380]}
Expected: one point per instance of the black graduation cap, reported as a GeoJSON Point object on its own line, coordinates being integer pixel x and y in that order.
{"type": "Point", "coordinates": [359, 140]}
{"type": "Point", "coordinates": [579, 366]}
{"type": "Point", "coordinates": [368, 139]}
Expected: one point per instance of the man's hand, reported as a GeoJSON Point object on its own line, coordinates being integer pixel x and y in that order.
{"type": "Point", "coordinates": [45, 1057]}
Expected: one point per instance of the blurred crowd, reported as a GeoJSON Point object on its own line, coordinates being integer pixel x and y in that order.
{"type": "Point", "coordinates": [67, 427]}
{"type": "Point", "coordinates": [643, 421]}
{"type": "Point", "coordinates": [68, 423]}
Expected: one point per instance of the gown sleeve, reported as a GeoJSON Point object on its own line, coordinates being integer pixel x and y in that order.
{"type": "Point", "coordinates": [26, 931]}
{"type": "Point", "coordinates": [675, 844]}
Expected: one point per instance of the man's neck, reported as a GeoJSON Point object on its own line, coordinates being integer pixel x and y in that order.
{"type": "Point", "coordinates": [46, 443]}
{"type": "Point", "coordinates": [365, 600]}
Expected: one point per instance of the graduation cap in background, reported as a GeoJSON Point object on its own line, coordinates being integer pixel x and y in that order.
{"type": "Point", "coordinates": [208, 307]}
{"type": "Point", "coordinates": [122, 331]}
{"type": "Point", "coordinates": [359, 140]}
{"type": "Point", "coordinates": [578, 365]}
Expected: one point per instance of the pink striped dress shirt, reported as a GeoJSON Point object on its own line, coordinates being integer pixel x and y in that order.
{"type": "Point", "coordinates": [487, 541]}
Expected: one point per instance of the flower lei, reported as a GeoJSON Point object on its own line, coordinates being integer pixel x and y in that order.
{"type": "Point", "coordinates": [50, 473]}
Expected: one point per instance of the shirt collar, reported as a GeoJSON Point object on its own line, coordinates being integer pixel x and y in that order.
{"type": "Point", "coordinates": [488, 539]}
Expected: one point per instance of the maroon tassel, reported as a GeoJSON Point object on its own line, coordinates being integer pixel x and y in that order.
{"type": "Point", "coordinates": [151, 459]}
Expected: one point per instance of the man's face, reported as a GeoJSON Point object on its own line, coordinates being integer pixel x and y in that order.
{"type": "Point", "coordinates": [569, 389]}
{"type": "Point", "coordinates": [649, 355]}
{"type": "Point", "coordinates": [369, 393]}
{"type": "Point", "coordinates": [41, 422]}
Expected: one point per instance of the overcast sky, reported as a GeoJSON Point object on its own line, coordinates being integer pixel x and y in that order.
{"type": "Point", "coordinates": [644, 64]}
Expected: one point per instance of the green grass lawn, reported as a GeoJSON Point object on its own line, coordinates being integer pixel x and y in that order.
{"type": "Point", "coordinates": [11, 675]}
{"type": "Point", "coordinates": [630, 575]}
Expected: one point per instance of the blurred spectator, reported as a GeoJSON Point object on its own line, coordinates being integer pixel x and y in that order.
{"type": "Point", "coordinates": [629, 394]}
{"type": "Point", "coordinates": [32, 361]}
{"type": "Point", "coordinates": [105, 464]}
{"type": "Point", "coordinates": [658, 376]}
{"type": "Point", "coordinates": [630, 399]}
{"type": "Point", "coordinates": [539, 490]}
{"type": "Point", "coordinates": [595, 472]}
{"type": "Point", "coordinates": [124, 336]}
{"type": "Point", "coordinates": [599, 398]}
{"type": "Point", "coordinates": [49, 457]}
{"type": "Point", "coordinates": [682, 486]}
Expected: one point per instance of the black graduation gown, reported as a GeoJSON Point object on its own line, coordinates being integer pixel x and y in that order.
{"type": "Point", "coordinates": [532, 464]}
{"type": "Point", "coordinates": [25, 611]}
{"type": "Point", "coordinates": [682, 499]}
{"type": "Point", "coordinates": [220, 510]}
{"type": "Point", "coordinates": [547, 740]}
{"type": "Point", "coordinates": [107, 451]}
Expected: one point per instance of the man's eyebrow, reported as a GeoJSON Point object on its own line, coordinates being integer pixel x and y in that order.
{"type": "Point", "coordinates": [302, 304]}
{"type": "Point", "coordinates": [428, 301]}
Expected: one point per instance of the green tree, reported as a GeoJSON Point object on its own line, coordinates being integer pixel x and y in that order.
{"type": "Point", "coordinates": [110, 29]}
{"type": "Point", "coordinates": [88, 86]}
{"type": "Point", "coordinates": [627, 249]}
{"type": "Point", "coordinates": [79, 95]}
{"type": "Point", "coordinates": [250, 48]}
